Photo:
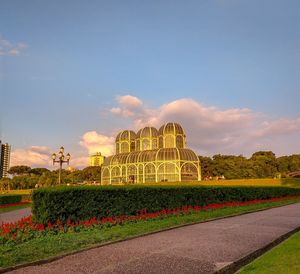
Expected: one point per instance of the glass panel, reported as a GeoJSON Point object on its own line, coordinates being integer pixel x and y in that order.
{"type": "Point", "coordinates": [169, 141]}
{"type": "Point", "coordinates": [161, 142]}
{"type": "Point", "coordinates": [105, 176]}
{"type": "Point", "coordinates": [154, 143]}
{"type": "Point", "coordinates": [125, 135]}
{"type": "Point", "coordinates": [179, 142]}
{"type": "Point", "coordinates": [150, 173]}
{"type": "Point", "coordinates": [189, 172]}
{"type": "Point", "coordinates": [132, 146]}
{"type": "Point", "coordinates": [116, 175]}
{"type": "Point", "coordinates": [115, 172]}
{"type": "Point", "coordinates": [124, 147]}
{"type": "Point", "coordinates": [169, 129]}
{"type": "Point", "coordinates": [141, 174]}
{"type": "Point", "coordinates": [167, 173]}
{"type": "Point", "coordinates": [132, 174]}
{"type": "Point", "coordinates": [123, 171]}
{"type": "Point", "coordinates": [146, 144]}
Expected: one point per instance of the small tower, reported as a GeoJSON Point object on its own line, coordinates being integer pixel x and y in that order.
{"type": "Point", "coordinates": [96, 159]}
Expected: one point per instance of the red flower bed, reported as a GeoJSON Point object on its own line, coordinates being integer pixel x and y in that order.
{"type": "Point", "coordinates": [26, 229]}
{"type": "Point", "coordinates": [15, 204]}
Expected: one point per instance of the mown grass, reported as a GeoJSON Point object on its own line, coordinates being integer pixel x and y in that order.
{"type": "Point", "coordinates": [12, 208]}
{"type": "Point", "coordinates": [50, 246]}
{"type": "Point", "coordinates": [282, 259]}
{"type": "Point", "coordinates": [17, 191]}
{"type": "Point", "coordinates": [287, 182]}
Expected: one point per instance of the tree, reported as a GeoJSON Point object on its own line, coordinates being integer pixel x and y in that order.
{"type": "Point", "coordinates": [283, 164]}
{"type": "Point", "coordinates": [92, 173]}
{"type": "Point", "coordinates": [19, 170]}
{"type": "Point", "coordinates": [75, 177]}
{"type": "Point", "coordinates": [39, 171]}
{"type": "Point", "coordinates": [48, 179]}
{"type": "Point", "coordinates": [231, 166]}
{"type": "Point", "coordinates": [264, 164]}
{"type": "Point", "coordinates": [288, 164]}
{"type": "Point", "coordinates": [24, 181]}
{"type": "Point", "coordinates": [206, 164]}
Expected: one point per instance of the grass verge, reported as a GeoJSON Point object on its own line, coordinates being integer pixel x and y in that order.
{"type": "Point", "coordinates": [16, 191]}
{"type": "Point", "coordinates": [282, 259]}
{"type": "Point", "coordinates": [51, 246]}
{"type": "Point", "coordinates": [12, 208]}
{"type": "Point", "coordinates": [284, 182]}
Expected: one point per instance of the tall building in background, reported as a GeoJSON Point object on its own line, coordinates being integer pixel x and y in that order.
{"type": "Point", "coordinates": [4, 159]}
{"type": "Point", "coordinates": [96, 159]}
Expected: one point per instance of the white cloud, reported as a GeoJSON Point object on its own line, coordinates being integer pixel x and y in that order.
{"type": "Point", "coordinates": [40, 156]}
{"type": "Point", "coordinates": [116, 110]}
{"type": "Point", "coordinates": [97, 142]}
{"type": "Point", "coordinates": [281, 126]}
{"type": "Point", "coordinates": [130, 101]}
{"type": "Point", "coordinates": [79, 162]}
{"type": "Point", "coordinates": [129, 106]}
{"type": "Point", "coordinates": [34, 156]}
{"type": "Point", "coordinates": [8, 48]}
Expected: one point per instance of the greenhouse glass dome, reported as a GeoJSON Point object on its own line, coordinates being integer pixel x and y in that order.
{"type": "Point", "coordinates": [151, 156]}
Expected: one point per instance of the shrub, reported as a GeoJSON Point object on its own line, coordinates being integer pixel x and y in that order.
{"type": "Point", "coordinates": [80, 203]}
{"type": "Point", "coordinates": [10, 199]}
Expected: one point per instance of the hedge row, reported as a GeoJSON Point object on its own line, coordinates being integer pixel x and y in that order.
{"type": "Point", "coordinates": [10, 199]}
{"type": "Point", "coordinates": [79, 203]}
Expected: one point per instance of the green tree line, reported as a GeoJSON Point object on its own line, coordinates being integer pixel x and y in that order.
{"type": "Point", "coordinates": [24, 177]}
{"type": "Point", "coordinates": [262, 164]}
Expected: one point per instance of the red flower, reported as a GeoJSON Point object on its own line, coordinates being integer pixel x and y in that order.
{"type": "Point", "coordinates": [58, 223]}
{"type": "Point", "coordinates": [49, 226]}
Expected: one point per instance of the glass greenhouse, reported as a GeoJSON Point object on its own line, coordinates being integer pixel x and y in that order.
{"type": "Point", "coordinates": [151, 155]}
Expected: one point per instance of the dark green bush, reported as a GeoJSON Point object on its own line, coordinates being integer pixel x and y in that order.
{"type": "Point", "coordinates": [79, 203]}
{"type": "Point", "coordinates": [10, 199]}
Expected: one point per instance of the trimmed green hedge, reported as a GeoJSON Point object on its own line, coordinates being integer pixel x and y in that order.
{"type": "Point", "coordinates": [10, 199]}
{"type": "Point", "coordinates": [79, 203]}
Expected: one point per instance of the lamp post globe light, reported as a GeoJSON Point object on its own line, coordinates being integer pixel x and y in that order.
{"type": "Point", "coordinates": [61, 158]}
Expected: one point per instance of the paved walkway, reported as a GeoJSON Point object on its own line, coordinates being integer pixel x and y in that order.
{"type": "Point", "coordinates": [13, 216]}
{"type": "Point", "coordinates": [200, 248]}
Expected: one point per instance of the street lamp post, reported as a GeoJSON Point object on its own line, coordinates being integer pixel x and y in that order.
{"type": "Point", "coordinates": [61, 160]}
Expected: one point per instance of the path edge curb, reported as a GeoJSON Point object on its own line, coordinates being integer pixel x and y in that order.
{"type": "Point", "coordinates": [237, 265]}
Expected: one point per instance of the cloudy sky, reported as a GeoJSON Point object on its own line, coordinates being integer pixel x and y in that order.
{"type": "Point", "coordinates": [74, 73]}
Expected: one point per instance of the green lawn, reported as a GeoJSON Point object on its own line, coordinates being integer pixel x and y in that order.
{"type": "Point", "coordinates": [282, 259]}
{"type": "Point", "coordinates": [50, 246]}
{"type": "Point", "coordinates": [284, 182]}
{"type": "Point", "coordinates": [16, 191]}
{"type": "Point", "coordinates": [12, 208]}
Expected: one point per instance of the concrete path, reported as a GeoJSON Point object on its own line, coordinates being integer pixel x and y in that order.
{"type": "Point", "coordinates": [13, 216]}
{"type": "Point", "coordinates": [200, 248]}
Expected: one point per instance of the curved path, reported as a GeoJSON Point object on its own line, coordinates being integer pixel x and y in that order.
{"type": "Point", "coordinates": [199, 248]}
{"type": "Point", "coordinates": [15, 215]}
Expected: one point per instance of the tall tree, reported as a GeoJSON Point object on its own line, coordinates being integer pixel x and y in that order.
{"type": "Point", "coordinates": [19, 170]}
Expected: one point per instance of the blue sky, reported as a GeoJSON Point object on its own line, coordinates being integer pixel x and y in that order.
{"type": "Point", "coordinates": [64, 65]}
